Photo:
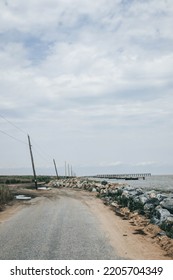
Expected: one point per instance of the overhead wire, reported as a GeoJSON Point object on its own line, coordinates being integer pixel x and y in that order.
{"type": "Point", "coordinates": [38, 152]}
{"type": "Point", "coordinates": [12, 124]}
{"type": "Point", "coordinates": [13, 137]}
{"type": "Point", "coordinates": [35, 146]}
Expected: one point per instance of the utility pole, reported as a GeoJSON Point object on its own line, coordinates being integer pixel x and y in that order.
{"type": "Point", "coordinates": [65, 170]}
{"type": "Point", "coordinates": [32, 161]}
{"type": "Point", "coordinates": [68, 170]}
{"type": "Point", "coordinates": [55, 168]}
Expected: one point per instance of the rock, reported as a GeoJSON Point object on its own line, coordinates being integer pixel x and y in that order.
{"type": "Point", "coordinates": [114, 204]}
{"type": "Point", "coordinates": [104, 183]}
{"type": "Point", "coordinates": [162, 214]}
{"type": "Point", "coordinates": [168, 204]}
{"type": "Point", "coordinates": [125, 194]}
{"type": "Point", "coordinates": [160, 196]}
{"type": "Point", "coordinates": [169, 220]}
{"type": "Point", "coordinates": [151, 194]}
{"type": "Point", "coordinates": [143, 198]}
{"type": "Point", "coordinates": [133, 193]}
{"type": "Point", "coordinates": [148, 207]}
{"type": "Point", "coordinates": [161, 233]}
{"type": "Point", "coordinates": [153, 200]}
{"type": "Point", "coordinates": [167, 226]}
{"type": "Point", "coordinates": [140, 191]}
{"type": "Point", "coordinates": [128, 188]}
{"type": "Point", "coordinates": [155, 221]}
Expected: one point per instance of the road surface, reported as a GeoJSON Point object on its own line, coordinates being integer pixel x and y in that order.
{"type": "Point", "coordinates": [63, 227]}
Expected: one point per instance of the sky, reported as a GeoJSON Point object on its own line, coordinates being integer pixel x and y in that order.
{"type": "Point", "coordinates": [90, 82]}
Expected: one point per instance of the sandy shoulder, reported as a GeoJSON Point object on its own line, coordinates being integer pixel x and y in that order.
{"type": "Point", "coordinates": [123, 238]}
{"type": "Point", "coordinates": [131, 240]}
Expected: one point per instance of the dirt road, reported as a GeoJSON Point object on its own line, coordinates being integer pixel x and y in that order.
{"type": "Point", "coordinates": [70, 224]}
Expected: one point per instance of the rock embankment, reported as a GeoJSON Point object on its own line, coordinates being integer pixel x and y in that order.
{"type": "Point", "coordinates": [150, 212]}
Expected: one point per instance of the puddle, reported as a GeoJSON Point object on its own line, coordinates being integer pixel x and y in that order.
{"type": "Point", "coordinates": [44, 188]}
{"type": "Point", "coordinates": [23, 197]}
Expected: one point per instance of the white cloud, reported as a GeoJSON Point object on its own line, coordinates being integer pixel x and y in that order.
{"type": "Point", "coordinates": [107, 164]}
{"type": "Point", "coordinates": [146, 163]}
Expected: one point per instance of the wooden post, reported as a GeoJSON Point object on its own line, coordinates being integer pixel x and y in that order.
{"type": "Point", "coordinates": [32, 161]}
{"type": "Point", "coordinates": [65, 170]}
{"type": "Point", "coordinates": [68, 170]}
{"type": "Point", "coordinates": [55, 169]}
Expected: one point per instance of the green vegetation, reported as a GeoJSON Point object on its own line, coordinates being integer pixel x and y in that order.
{"type": "Point", "coordinates": [15, 179]}
{"type": "Point", "coordinates": [45, 179]}
{"type": "Point", "coordinates": [8, 180]}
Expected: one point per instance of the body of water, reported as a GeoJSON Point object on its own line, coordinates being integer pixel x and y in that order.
{"type": "Point", "coordinates": [163, 183]}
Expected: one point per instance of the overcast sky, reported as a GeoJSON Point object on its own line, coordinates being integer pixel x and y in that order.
{"type": "Point", "coordinates": [91, 83]}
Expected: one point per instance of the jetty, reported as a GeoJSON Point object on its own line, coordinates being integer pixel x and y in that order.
{"type": "Point", "coordinates": [123, 176]}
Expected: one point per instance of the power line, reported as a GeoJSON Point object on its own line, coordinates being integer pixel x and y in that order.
{"type": "Point", "coordinates": [13, 137]}
{"type": "Point", "coordinates": [41, 150]}
{"type": "Point", "coordinates": [13, 124]}
{"type": "Point", "coordinates": [21, 130]}
{"type": "Point", "coordinates": [39, 153]}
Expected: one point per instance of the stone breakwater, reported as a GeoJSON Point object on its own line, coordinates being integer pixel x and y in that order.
{"type": "Point", "coordinates": [128, 201]}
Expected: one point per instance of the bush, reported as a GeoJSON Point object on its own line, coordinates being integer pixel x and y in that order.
{"type": "Point", "coordinates": [45, 179]}
{"type": "Point", "coordinates": [12, 181]}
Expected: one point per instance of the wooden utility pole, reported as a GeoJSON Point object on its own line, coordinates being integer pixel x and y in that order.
{"type": "Point", "coordinates": [65, 170]}
{"type": "Point", "coordinates": [68, 170]}
{"type": "Point", "coordinates": [55, 169]}
{"type": "Point", "coordinates": [32, 161]}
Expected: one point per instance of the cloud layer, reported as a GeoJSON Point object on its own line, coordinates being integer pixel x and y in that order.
{"type": "Point", "coordinates": [91, 81]}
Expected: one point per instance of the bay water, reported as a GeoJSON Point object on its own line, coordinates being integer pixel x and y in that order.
{"type": "Point", "coordinates": [161, 183]}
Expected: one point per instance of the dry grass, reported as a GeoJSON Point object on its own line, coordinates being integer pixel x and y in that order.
{"type": "Point", "coordinates": [5, 195]}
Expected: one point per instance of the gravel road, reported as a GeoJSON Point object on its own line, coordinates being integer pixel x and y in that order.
{"type": "Point", "coordinates": [61, 227]}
